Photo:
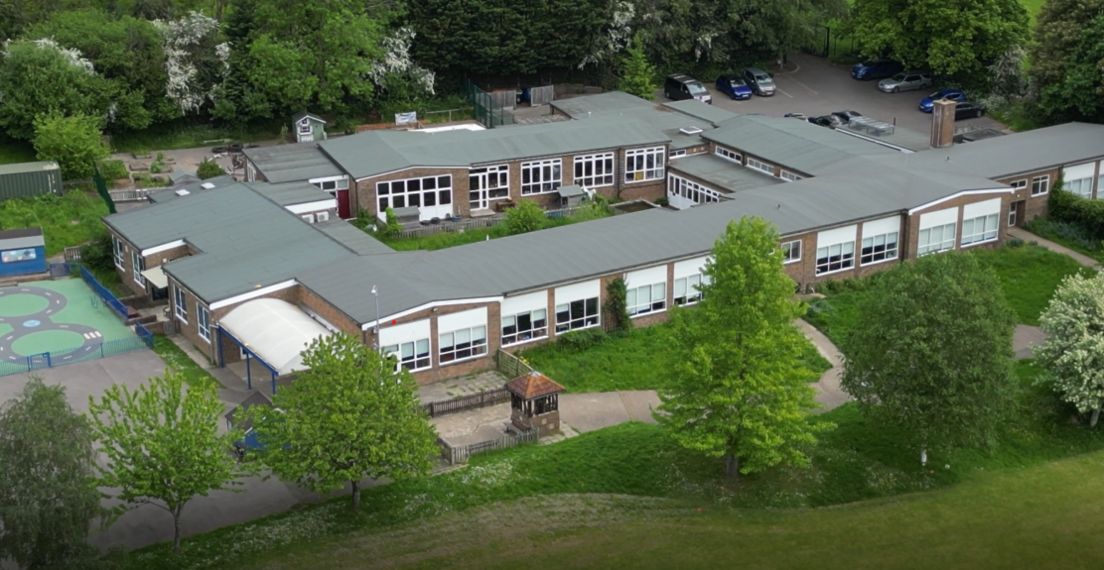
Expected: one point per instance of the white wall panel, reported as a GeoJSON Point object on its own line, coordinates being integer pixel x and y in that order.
{"type": "Point", "coordinates": [462, 320]}
{"type": "Point", "coordinates": [577, 291]}
{"type": "Point", "coordinates": [409, 332]}
{"type": "Point", "coordinates": [838, 235]}
{"type": "Point", "coordinates": [882, 226]}
{"type": "Point", "coordinates": [938, 218]}
{"type": "Point", "coordinates": [526, 302]}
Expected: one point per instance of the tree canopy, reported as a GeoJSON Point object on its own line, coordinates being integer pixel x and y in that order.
{"type": "Point", "coordinates": [736, 389]}
{"type": "Point", "coordinates": [74, 142]}
{"type": "Point", "coordinates": [1073, 352]}
{"type": "Point", "coordinates": [934, 352]}
{"type": "Point", "coordinates": [1067, 60]}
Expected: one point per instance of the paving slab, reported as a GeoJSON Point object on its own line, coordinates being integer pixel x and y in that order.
{"type": "Point", "coordinates": [589, 412]}
{"type": "Point", "coordinates": [830, 394]}
{"type": "Point", "coordinates": [1025, 338]}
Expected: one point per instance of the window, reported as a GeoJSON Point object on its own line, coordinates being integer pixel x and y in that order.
{"type": "Point", "coordinates": [644, 164]}
{"type": "Point", "coordinates": [1017, 184]}
{"type": "Point", "coordinates": [980, 229]}
{"type": "Point", "coordinates": [835, 257]}
{"type": "Point", "coordinates": [524, 326]}
{"type": "Point", "coordinates": [329, 185]}
{"type": "Point", "coordinates": [180, 303]}
{"type": "Point", "coordinates": [461, 344]}
{"type": "Point", "coordinates": [540, 176]}
{"type": "Point", "coordinates": [304, 127]}
{"type": "Point", "coordinates": [729, 155]}
{"type": "Point", "coordinates": [677, 153]}
{"type": "Point", "coordinates": [577, 315]}
{"type": "Point", "coordinates": [877, 248]}
{"type": "Point", "coordinates": [594, 170]}
{"type": "Point", "coordinates": [1040, 185]}
{"type": "Point", "coordinates": [138, 265]}
{"type": "Point", "coordinates": [686, 290]}
{"type": "Point", "coordinates": [646, 299]}
{"type": "Point", "coordinates": [203, 318]}
{"type": "Point", "coordinates": [692, 191]}
{"type": "Point", "coordinates": [117, 245]}
{"type": "Point", "coordinates": [936, 239]}
{"type": "Point", "coordinates": [1012, 215]}
{"type": "Point", "coordinates": [789, 176]}
{"type": "Point", "coordinates": [791, 251]}
{"type": "Point", "coordinates": [495, 178]}
{"type": "Point", "coordinates": [415, 192]}
{"type": "Point", "coordinates": [760, 166]}
{"type": "Point", "coordinates": [410, 355]}
{"type": "Point", "coordinates": [1082, 187]}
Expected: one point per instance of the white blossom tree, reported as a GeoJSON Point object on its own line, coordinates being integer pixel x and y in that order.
{"type": "Point", "coordinates": [195, 62]}
{"type": "Point", "coordinates": [1073, 353]}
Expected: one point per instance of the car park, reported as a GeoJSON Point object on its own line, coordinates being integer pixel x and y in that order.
{"type": "Point", "coordinates": [845, 116]}
{"type": "Point", "coordinates": [680, 87]}
{"type": "Point", "coordinates": [876, 69]}
{"type": "Point", "coordinates": [905, 81]}
{"type": "Point", "coordinates": [734, 86]}
{"type": "Point", "coordinates": [956, 95]}
{"type": "Point", "coordinates": [830, 121]}
{"type": "Point", "coordinates": [760, 81]}
{"type": "Point", "coordinates": [968, 110]}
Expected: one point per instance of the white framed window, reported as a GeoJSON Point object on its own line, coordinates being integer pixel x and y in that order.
{"type": "Point", "coordinates": [729, 155]}
{"type": "Point", "coordinates": [494, 179]}
{"type": "Point", "coordinates": [760, 166]}
{"type": "Point", "coordinates": [881, 247]}
{"type": "Point", "coordinates": [1012, 215]}
{"type": "Point", "coordinates": [203, 320]}
{"type": "Point", "coordinates": [677, 153]}
{"type": "Point", "coordinates": [791, 252]}
{"type": "Point", "coordinates": [644, 164]}
{"type": "Point", "coordinates": [1017, 184]}
{"type": "Point", "coordinates": [341, 183]}
{"type": "Point", "coordinates": [936, 239]}
{"type": "Point", "coordinates": [594, 170]}
{"type": "Point", "coordinates": [541, 176]}
{"type": "Point", "coordinates": [250, 172]}
{"type": "Point", "coordinates": [525, 326]}
{"type": "Point", "coordinates": [647, 299]}
{"type": "Point", "coordinates": [789, 176]}
{"type": "Point", "coordinates": [415, 192]}
{"type": "Point", "coordinates": [579, 314]}
{"type": "Point", "coordinates": [1081, 187]}
{"type": "Point", "coordinates": [180, 304]}
{"type": "Point", "coordinates": [305, 127]}
{"type": "Point", "coordinates": [412, 355]}
{"type": "Point", "coordinates": [836, 257]}
{"type": "Point", "coordinates": [683, 193]}
{"type": "Point", "coordinates": [687, 290]}
{"type": "Point", "coordinates": [137, 266]}
{"type": "Point", "coordinates": [979, 229]}
{"type": "Point", "coordinates": [462, 344]}
{"type": "Point", "coordinates": [117, 247]}
{"type": "Point", "coordinates": [1040, 185]}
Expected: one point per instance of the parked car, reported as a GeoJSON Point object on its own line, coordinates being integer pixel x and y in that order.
{"type": "Point", "coordinates": [968, 110]}
{"type": "Point", "coordinates": [795, 116]}
{"type": "Point", "coordinates": [830, 121]}
{"type": "Point", "coordinates": [760, 81]}
{"type": "Point", "coordinates": [905, 81]}
{"type": "Point", "coordinates": [956, 95]}
{"type": "Point", "coordinates": [680, 87]}
{"type": "Point", "coordinates": [734, 86]}
{"type": "Point", "coordinates": [876, 69]}
{"type": "Point", "coordinates": [845, 116]}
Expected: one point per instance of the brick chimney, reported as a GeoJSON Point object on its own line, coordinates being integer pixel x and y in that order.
{"type": "Point", "coordinates": [942, 131]}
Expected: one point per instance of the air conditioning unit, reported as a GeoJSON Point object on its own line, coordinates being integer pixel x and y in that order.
{"type": "Point", "coordinates": [322, 216]}
{"type": "Point", "coordinates": [308, 217]}
{"type": "Point", "coordinates": [182, 192]}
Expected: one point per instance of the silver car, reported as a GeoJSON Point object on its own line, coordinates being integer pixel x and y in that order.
{"type": "Point", "coordinates": [905, 81]}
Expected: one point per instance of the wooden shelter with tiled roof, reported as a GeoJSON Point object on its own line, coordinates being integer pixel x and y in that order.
{"type": "Point", "coordinates": [534, 403]}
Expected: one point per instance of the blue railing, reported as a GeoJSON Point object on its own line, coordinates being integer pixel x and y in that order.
{"type": "Point", "coordinates": [109, 298]}
{"type": "Point", "coordinates": [70, 355]}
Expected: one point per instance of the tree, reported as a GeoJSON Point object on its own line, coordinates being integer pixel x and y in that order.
{"type": "Point", "coordinates": [960, 39]}
{"type": "Point", "coordinates": [526, 217]}
{"type": "Point", "coordinates": [737, 389]}
{"type": "Point", "coordinates": [162, 443]}
{"type": "Point", "coordinates": [347, 417]}
{"type": "Point", "coordinates": [209, 169]}
{"type": "Point", "coordinates": [1073, 352]}
{"type": "Point", "coordinates": [1058, 33]}
{"type": "Point", "coordinates": [639, 75]}
{"type": "Point", "coordinates": [48, 495]}
{"type": "Point", "coordinates": [934, 352]}
{"type": "Point", "coordinates": [1074, 91]}
{"type": "Point", "coordinates": [75, 142]}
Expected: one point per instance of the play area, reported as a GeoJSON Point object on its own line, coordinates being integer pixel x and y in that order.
{"type": "Point", "coordinates": [48, 323]}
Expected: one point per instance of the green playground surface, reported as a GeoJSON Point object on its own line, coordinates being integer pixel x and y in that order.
{"type": "Point", "coordinates": [83, 307]}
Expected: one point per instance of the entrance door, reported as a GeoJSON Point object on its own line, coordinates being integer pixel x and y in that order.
{"type": "Point", "coordinates": [477, 192]}
{"type": "Point", "coordinates": [1016, 213]}
{"type": "Point", "coordinates": [343, 205]}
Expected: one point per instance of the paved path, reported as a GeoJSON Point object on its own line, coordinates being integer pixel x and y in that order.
{"type": "Point", "coordinates": [829, 393]}
{"type": "Point", "coordinates": [1078, 257]}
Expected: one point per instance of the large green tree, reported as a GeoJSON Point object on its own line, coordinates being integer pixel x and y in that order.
{"type": "Point", "coordinates": [934, 352]}
{"type": "Point", "coordinates": [949, 38]}
{"type": "Point", "coordinates": [350, 415]}
{"type": "Point", "coordinates": [48, 494]}
{"type": "Point", "coordinates": [1068, 61]}
{"type": "Point", "coordinates": [163, 445]}
{"type": "Point", "coordinates": [1073, 352]}
{"type": "Point", "coordinates": [75, 142]}
{"type": "Point", "coordinates": [736, 389]}
{"type": "Point", "coordinates": [638, 76]}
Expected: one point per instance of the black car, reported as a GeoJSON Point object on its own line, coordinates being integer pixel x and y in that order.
{"type": "Point", "coordinates": [830, 121]}
{"type": "Point", "coordinates": [968, 110]}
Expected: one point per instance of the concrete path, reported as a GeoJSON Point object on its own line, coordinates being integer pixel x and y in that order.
{"type": "Point", "coordinates": [1078, 257]}
{"type": "Point", "coordinates": [829, 393]}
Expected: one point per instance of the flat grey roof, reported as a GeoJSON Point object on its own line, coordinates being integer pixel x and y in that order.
{"type": "Point", "coordinates": [578, 107]}
{"type": "Point", "coordinates": [352, 237]}
{"type": "Point", "coordinates": [693, 108]}
{"type": "Point", "coordinates": [290, 193]}
{"type": "Point", "coordinates": [901, 137]}
{"type": "Point", "coordinates": [193, 187]}
{"type": "Point", "coordinates": [722, 175]}
{"type": "Point", "coordinates": [22, 238]}
{"type": "Point", "coordinates": [27, 167]}
{"type": "Point", "coordinates": [290, 162]}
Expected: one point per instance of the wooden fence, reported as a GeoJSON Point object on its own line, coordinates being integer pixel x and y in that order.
{"type": "Point", "coordinates": [511, 365]}
{"type": "Point", "coordinates": [462, 453]}
{"type": "Point", "coordinates": [471, 401]}
{"type": "Point", "coordinates": [474, 223]}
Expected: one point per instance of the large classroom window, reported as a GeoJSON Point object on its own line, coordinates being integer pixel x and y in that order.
{"type": "Point", "coordinates": [117, 246]}
{"type": "Point", "coordinates": [415, 192]}
{"type": "Point", "coordinates": [412, 355]}
{"type": "Point", "coordinates": [180, 303]}
{"type": "Point", "coordinates": [936, 239]}
{"type": "Point", "coordinates": [646, 298]}
{"type": "Point", "coordinates": [594, 170]}
{"type": "Point", "coordinates": [683, 193]}
{"type": "Point", "coordinates": [462, 344]}
{"type": "Point", "coordinates": [686, 290]}
{"type": "Point", "coordinates": [791, 252]}
{"type": "Point", "coordinates": [203, 318]}
{"type": "Point", "coordinates": [644, 164]}
{"type": "Point", "coordinates": [524, 326]}
{"type": "Point", "coordinates": [494, 179]}
{"type": "Point", "coordinates": [979, 229]}
{"type": "Point", "coordinates": [137, 266]}
{"type": "Point", "coordinates": [881, 247]}
{"type": "Point", "coordinates": [541, 176]}
{"type": "Point", "coordinates": [835, 250]}
{"type": "Point", "coordinates": [760, 166]}
{"type": "Point", "coordinates": [578, 314]}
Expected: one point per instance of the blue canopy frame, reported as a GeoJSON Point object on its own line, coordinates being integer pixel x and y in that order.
{"type": "Point", "coordinates": [248, 353]}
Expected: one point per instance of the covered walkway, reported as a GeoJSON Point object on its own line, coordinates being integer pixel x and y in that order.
{"type": "Point", "coordinates": [270, 333]}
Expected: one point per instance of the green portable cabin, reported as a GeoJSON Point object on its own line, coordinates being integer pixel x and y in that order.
{"type": "Point", "coordinates": [29, 179]}
{"type": "Point", "coordinates": [308, 127]}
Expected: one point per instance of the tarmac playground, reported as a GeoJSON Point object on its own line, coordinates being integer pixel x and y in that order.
{"type": "Point", "coordinates": [63, 318]}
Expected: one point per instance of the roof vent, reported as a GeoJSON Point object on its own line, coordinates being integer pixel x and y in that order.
{"type": "Point", "coordinates": [690, 130]}
{"type": "Point", "coordinates": [182, 192]}
{"type": "Point", "coordinates": [207, 185]}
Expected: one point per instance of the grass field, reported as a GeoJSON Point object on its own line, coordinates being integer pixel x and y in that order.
{"type": "Point", "coordinates": [1068, 235]}
{"type": "Point", "coordinates": [12, 152]}
{"type": "Point", "coordinates": [452, 239]}
{"type": "Point", "coordinates": [187, 134]}
{"type": "Point", "coordinates": [176, 359]}
{"type": "Point", "coordinates": [67, 220]}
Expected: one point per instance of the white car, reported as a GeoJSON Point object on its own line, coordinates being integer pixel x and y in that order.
{"type": "Point", "coordinates": [904, 81]}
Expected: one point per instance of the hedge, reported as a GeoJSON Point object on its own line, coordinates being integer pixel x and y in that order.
{"type": "Point", "coordinates": [1068, 207]}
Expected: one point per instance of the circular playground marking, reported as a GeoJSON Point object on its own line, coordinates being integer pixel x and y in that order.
{"type": "Point", "coordinates": [31, 323]}
{"type": "Point", "coordinates": [22, 304]}
{"type": "Point", "coordinates": [28, 311]}
{"type": "Point", "coordinates": [31, 343]}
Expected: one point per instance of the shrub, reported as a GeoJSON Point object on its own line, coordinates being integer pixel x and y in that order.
{"type": "Point", "coordinates": [209, 169]}
{"type": "Point", "coordinates": [97, 254]}
{"type": "Point", "coordinates": [113, 169]}
{"type": "Point", "coordinates": [524, 218]}
{"type": "Point", "coordinates": [75, 142]}
{"type": "Point", "coordinates": [661, 201]}
{"type": "Point", "coordinates": [1068, 231]}
{"type": "Point", "coordinates": [616, 305]}
{"type": "Point", "coordinates": [1068, 207]}
{"type": "Point", "coordinates": [160, 156]}
{"type": "Point", "coordinates": [393, 226]}
{"type": "Point", "coordinates": [155, 167]}
{"type": "Point", "coordinates": [581, 340]}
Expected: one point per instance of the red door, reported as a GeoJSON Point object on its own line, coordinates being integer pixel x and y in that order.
{"type": "Point", "coordinates": [343, 204]}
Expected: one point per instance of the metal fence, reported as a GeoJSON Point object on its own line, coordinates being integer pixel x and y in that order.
{"type": "Point", "coordinates": [134, 195]}
{"type": "Point", "coordinates": [474, 223]}
{"type": "Point", "coordinates": [104, 293]}
{"type": "Point", "coordinates": [85, 352]}
{"type": "Point", "coordinates": [461, 454]}
{"type": "Point", "coordinates": [488, 109]}
{"type": "Point", "coordinates": [480, 400]}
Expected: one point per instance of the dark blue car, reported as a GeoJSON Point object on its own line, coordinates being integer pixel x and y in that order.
{"type": "Point", "coordinates": [928, 102]}
{"type": "Point", "coordinates": [876, 69]}
{"type": "Point", "coordinates": [734, 86]}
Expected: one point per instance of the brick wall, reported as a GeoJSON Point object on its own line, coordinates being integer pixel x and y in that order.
{"type": "Point", "coordinates": [913, 236]}
{"type": "Point", "coordinates": [1034, 206]}
{"type": "Point", "coordinates": [363, 192]}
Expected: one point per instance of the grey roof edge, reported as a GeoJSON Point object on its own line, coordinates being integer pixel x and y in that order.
{"type": "Point", "coordinates": [300, 283]}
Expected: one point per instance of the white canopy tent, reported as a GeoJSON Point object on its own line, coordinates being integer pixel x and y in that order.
{"type": "Point", "coordinates": [274, 330]}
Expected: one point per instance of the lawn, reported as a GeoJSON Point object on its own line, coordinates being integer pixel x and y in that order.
{"type": "Point", "coordinates": [187, 134]}
{"type": "Point", "coordinates": [178, 360]}
{"type": "Point", "coordinates": [67, 220]}
{"type": "Point", "coordinates": [452, 239]}
{"type": "Point", "coordinates": [1068, 235]}
{"type": "Point", "coordinates": [13, 152]}
{"type": "Point", "coordinates": [632, 361]}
